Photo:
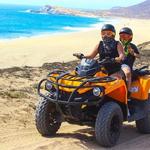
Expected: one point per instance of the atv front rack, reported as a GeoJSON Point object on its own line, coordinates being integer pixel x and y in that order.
{"type": "Point", "coordinates": [84, 80]}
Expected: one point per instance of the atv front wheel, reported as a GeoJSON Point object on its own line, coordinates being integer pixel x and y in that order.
{"type": "Point", "coordinates": [47, 119]}
{"type": "Point", "coordinates": [108, 124]}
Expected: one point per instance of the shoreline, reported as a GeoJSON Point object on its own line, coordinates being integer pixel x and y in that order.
{"type": "Point", "coordinates": [35, 51]}
{"type": "Point", "coordinates": [67, 30]}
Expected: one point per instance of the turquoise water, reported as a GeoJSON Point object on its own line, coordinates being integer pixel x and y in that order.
{"type": "Point", "coordinates": [16, 22]}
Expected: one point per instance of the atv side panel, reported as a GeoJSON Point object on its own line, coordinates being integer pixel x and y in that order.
{"type": "Point", "coordinates": [140, 88]}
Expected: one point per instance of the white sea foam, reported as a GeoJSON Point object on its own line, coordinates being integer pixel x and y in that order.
{"type": "Point", "coordinates": [69, 28]}
{"type": "Point", "coordinates": [93, 26]}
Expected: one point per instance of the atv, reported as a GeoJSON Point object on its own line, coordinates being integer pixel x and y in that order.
{"type": "Point", "coordinates": [90, 96]}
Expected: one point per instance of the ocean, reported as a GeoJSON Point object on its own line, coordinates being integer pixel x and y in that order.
{"type": "Point", "coordinates": [16, 21]}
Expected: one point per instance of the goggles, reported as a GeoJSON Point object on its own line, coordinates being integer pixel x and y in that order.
{"type": "Point", "coordinates": [125, 36]}
{"type": "Point", "coordinates": [107, 33]}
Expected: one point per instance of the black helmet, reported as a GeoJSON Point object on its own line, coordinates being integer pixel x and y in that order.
{"type": "Point", "coordinates": [87, 67]}
{"type": "Point", "coordinates": [108, 27]}
{"type": "Point", "coordinates": [126, 30]}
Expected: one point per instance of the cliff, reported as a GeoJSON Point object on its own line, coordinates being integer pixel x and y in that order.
{"type": "Point", "coordinates": [141, 10]}
{"type": "Point", "coordinates": [47, 9]}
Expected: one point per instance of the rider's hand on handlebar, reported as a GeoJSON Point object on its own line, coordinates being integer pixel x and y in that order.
{"type": "Point", "coordinates": [78, 55]}
{"type": "Point", "coordinates": [117, 59]}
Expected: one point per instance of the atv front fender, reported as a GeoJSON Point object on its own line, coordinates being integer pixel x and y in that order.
{"type": "Point", "coordinates": [117, 90]}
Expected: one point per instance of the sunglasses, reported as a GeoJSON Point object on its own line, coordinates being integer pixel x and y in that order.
{"type": "Point", "coordinates": [107, 33]}
{"type": "Point", "coordinates": [125, 36]}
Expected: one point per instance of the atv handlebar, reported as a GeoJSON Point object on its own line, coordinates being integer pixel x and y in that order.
{"type": "Point", "coordinates": [79, 55]}
{"type": "Point", "coordinates": [104, 61]}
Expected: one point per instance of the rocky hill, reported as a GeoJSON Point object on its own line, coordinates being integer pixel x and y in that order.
{"type": "Point", "coordinates": [48, 9]}
{"type": "Point", "coordinates": [141, 10]}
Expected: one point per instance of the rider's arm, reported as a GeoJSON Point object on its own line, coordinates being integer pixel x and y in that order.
{"type": "Point", "coordinates": [120, 52]}
{"type": "Point", "coordinates": [94, 53]}
{"type": "Point", "coordinates": [133, 50]}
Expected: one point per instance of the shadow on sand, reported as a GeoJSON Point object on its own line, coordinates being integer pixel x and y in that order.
{"type": "Point", "coordinates": [87, 138]}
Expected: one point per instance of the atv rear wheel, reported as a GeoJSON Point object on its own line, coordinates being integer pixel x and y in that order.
{"type": "Point", "coordinates": [108, 124]}
{"type": "Point", "coordinates": [143, 125]}
{"type": "Point", "coordinates": [47, 119]}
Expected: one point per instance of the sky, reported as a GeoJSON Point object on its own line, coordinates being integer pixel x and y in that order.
{"type": "Point", "coordinates": [83, 4]}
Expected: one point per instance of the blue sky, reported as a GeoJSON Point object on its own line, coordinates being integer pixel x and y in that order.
{"type": "Point", "coordinates": [85, 4]}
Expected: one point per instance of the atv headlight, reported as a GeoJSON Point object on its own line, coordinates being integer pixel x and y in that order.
{"type": "Point", "coordinates": [48, 85]}
{"type": "Point", "coordinates": [97, 91]}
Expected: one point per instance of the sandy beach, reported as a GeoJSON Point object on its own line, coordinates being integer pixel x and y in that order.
{"type": "Point", "coordinates": [35, 51]}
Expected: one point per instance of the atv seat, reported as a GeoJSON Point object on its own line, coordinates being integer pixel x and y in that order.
{"type": "Point", "coordinates": [140, 72]}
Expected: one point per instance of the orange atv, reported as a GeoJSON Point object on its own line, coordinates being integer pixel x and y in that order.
{"type": "Point", "coordinates": [89, 96]}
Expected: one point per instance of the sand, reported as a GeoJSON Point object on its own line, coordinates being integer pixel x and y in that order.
{"type": "Point", "coordinates": [71, 137]}
{"type": "Point", "coordinates": [18, 98]}
{"type": "Point", "coordinates": [35, 51]}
